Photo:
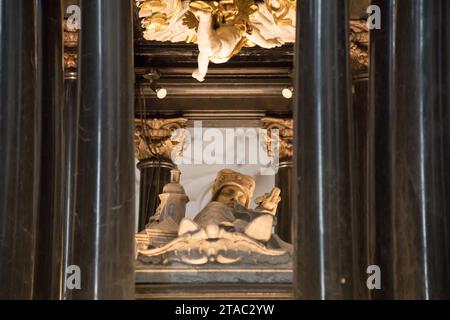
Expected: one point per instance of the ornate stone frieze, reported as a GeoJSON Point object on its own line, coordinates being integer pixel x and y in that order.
{"type": "Point", "coordinates": [285, 129]}
{"type": "Point", "coordinates": [158, 138]}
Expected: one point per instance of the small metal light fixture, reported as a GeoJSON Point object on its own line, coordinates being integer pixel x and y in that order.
{"type": "Point", "coordinates": [153, 76]}
{"type": "Point", "coordinates": [288, 92]}
{"type": "Point", "coordinates": [161, 93]}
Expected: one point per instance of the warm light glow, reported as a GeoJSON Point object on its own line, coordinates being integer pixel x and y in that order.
{"type": "Point", "coordinates": [161, 93]}
{"type": "Point", "coordinates": [287, 93]}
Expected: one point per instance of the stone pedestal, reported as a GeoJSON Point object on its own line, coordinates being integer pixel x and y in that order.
{"type": "Point", "coordinates": [213, 274]}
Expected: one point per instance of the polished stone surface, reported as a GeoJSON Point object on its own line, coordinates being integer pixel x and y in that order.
{"type": "Point", "coordinates": [421, 201]}
{"type": "Point", "coordinates": [213, 274]}
{"type": "Point", "coordinates": [49, 272]}
{"type": "Point", "coordinates": [70, 125]}
{"type": "Point", "coordinates": [283, 180]}
{"type": "Point", "coordinates": [380, 145]}
{"type": "Point", "coordinates": [323, 265]}
{"type": "Point", "coordinates": [359, 178]}
{"type": "Point", "coordinates": [105, 211]}
{"type": "Point", "coordinates": [154, 176]}
{"type": "Point", "coordinates": [410, 141]}
{"type": "Point", "coordinates": [20, 133]}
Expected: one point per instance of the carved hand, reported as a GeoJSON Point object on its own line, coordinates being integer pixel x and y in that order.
{"type": "Point", "coordinates": [269, 201]}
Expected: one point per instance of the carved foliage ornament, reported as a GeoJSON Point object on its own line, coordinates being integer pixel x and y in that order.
{"type": "Point", "coordinates": [280, 11]}
{"type": "Point", "coordinates": [285, 129]}
{"type": "Point", "coordinates": [215, 245]}
{"type": "Point", "coordinates": [225, 12]}
{"type": "Point", "coordinates": [158, 138]}
{"type": "Point", "coordinates": [359, 45]}
{"type": "Point", "coordinates": [176, 20]}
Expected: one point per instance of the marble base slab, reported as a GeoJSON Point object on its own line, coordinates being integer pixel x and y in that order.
{"type": "Point", "coordinates": [212, 274]}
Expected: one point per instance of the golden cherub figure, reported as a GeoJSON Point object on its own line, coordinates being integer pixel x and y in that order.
{"type": "Point", "coordinates": [220, 28]}
{"type": "Point", "coordinates": [223, 29]}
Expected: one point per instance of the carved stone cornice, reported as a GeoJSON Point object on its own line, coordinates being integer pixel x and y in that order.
{"type": "Point", "coordinates": [157, 138]}
{"type": "Point", "coordinates": [359, 46]}
{"type": "Point", "coordinates": [285, 128]}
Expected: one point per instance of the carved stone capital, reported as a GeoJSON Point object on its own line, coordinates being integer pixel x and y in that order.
{"type": "Point", "coordinates": [70, 60]}
{"type": "Point", "coordinates": [70, 47]}
{"type": "Point", "coordinates": [158, 138]}
{"type": "Point", "coordinates": [285, 128]}
{"type": "Point", "coordinates": [359, 46]}
{"type": "Point", "coordinates": [70, 38]}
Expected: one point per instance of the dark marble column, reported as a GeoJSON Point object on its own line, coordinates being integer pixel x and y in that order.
{"type": "Point", "coordinates": [104, 212]}
{"type": "Point", "coordinates": [20, 135]}
{"type": "Point", "coordinates": [380, 146]}
{"type": "Point", "coordinates": [155, 141]}
{"type": "Point", "coordinates": [359, 168]}
{"type": "Point", "coordinates": [70, 125]}
{"type": "Point", "coordinates": [155, 175]}
{"type": "Point", "coordinates": [283, 180]}
{"type": "Point", "coordinates": [48, 277]}
{"type": "Point", "coordinates": [323, 262]}
{"type": "Point", "coordinates": [359, 42]}
{"type": "Point", "coordinates": [410, 203]}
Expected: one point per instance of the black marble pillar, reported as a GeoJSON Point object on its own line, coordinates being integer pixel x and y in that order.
{"type": "Point", "coordinates": [380, 146]}
{"type": "Point", "coordinates": [105, 201]}
{"type": "Point", "coordinates": [409, 196]}
{"type": "Point", "coordinates": [48, 277]}
{"type": "Point", "coordinates": [155, 175]}
{"type": "Point", "coordinates": [70, 125]}
{"type": "Point", "coordinates": [283, 180]}
{"type": "Point", "coordinates": [359, 169]}
{"type": "Point", "coordinates": [20, 133]}
{"type": "Point", "coordinates": [323, 262]}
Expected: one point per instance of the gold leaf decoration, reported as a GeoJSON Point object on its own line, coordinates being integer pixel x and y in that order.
{"type": "Point", "coordinates": [191, 21]}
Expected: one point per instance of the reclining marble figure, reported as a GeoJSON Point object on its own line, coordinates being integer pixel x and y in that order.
{"type": "Point", "coordinates": [226, 231]}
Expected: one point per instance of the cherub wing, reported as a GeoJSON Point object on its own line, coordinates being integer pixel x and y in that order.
{"type": "Point", "coordinates": [275, 19]}
{"type": "Point", "coordinates": [163, 20]}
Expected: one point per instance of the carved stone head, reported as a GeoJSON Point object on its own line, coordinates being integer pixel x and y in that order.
{"type": "Point", "coordinates": [232, 187]}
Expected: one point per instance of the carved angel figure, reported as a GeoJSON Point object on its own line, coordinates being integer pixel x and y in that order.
{"type": "Point", "coordinates": [220, 28]}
